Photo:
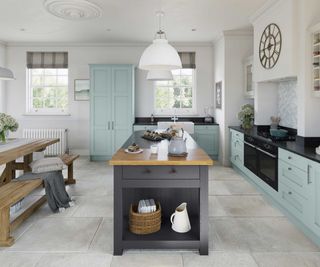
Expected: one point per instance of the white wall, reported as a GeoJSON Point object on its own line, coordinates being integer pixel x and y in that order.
{"type": "Point", "coordinates": [229, 55]}
{"type": "Point", "coordinates": [2, 83]}
{"type": "Point", "coordinates": [79, 58]}
{"type": "Point", "coordinates": [219, 75]}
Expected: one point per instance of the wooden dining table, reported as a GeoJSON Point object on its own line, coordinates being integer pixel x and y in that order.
{"type": "Point", "coordinates": [20, 148]}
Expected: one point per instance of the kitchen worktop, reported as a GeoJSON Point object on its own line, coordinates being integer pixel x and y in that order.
{"type": "Point", "coordinates": [293, 146]}
{"type": "Point", "coordinates": [195, 120]}
{"type": "Point", "coordinates": [196, 155]}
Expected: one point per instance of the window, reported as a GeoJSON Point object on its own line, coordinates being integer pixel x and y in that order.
{"type": "Point", "coordinates": [176, 96]}
{"type": "Point", "coordinates": [47, 91]}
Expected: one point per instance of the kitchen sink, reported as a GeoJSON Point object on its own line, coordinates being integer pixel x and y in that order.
{"type": "Point", "coordinates": [188, 126]}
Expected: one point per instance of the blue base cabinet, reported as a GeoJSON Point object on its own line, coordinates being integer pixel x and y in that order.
{"type": "Point", "coordinates": [298, 195]}
{"type": "Point", "coordinates": [111, 108]}
{"type": "Point", "coordinates": [207, 137]}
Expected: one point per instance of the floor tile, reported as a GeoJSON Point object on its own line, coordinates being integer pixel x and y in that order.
{"type": "Point", "coordinates": [103, 239]}
{"type": "Point", "coordinates": [219, 259]}
{"type": "Point", "coordinates": [228, 188]}
{"type": "Point", "coordinates": [75, 260]}
{"type": "Point", "coordinates": [259, 235]}
{"type": "Point", "coordinates": [58, 235]}
{"type": "Point", "coordinates": [147, 260]}
{"type": "Point", "coordinates": [95, 187]}
{"type": "Point", "coordinates": [241, 206]}
{"type": "Point", "coordinates": [287, 259]}
{"type": "Point", "coordinates": [223, 173]}
{"type": "Point", "coordinates": [94, 206]}
{"type": "Point", "coordinates": [19, 259]}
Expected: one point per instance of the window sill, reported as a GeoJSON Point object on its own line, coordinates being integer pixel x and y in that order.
{"type": "Point", "coordinates": [46, 114]}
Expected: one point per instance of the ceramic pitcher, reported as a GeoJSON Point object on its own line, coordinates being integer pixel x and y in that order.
{"type": "Point", "coordinates": [180, 219]}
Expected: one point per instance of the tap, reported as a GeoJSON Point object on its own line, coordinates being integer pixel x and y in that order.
{"type": "Point", "coordinates": [174, 118]}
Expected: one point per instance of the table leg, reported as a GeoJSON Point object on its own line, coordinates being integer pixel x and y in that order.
{"type": "Point", "coordinates": [5, 238]}
{"type": "Point", "coordinates": [70, 178]}
{"type": "Point", "coordinates": [203, 250]}
{"type": "Point", "coordinates": [27, 159]}
{"type": "Point", "coordinates": [117, 212]}
{"type": "Point", "coordinates": [7, 174]}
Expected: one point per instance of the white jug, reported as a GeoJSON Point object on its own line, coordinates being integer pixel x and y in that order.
{"type": "Point", "coordinates": [180, 219]}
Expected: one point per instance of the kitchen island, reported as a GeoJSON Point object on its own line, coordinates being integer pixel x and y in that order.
{"type": "Point", "coordinates": [169, 180]}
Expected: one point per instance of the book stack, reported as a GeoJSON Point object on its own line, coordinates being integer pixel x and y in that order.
{"type": "Point", "coordinates": [147, 206]}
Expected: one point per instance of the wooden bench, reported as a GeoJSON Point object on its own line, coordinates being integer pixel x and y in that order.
{"type": "Point", "coordinates": [68, 160]}
{"type": "Point", "coordinates": [10, 194]}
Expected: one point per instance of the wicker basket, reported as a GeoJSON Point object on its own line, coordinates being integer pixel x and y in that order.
{"type": "Point", "coordinates": [144, 223]}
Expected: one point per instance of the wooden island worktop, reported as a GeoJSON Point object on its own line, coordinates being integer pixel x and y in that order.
{"type": "Point", "coordinates": [168, 180]}
{"type": "Point", "coordinates": [196, 155]}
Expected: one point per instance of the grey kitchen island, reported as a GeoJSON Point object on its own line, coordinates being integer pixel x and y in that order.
{"type": "Point", "coordinates": [169, 180]}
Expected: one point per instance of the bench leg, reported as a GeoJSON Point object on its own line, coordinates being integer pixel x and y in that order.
{"type": "Point", "coordinates": [5, 239]}
{"type": "Point", "coordinates": [70, 179]}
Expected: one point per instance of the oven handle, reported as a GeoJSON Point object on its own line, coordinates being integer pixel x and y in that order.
{"type": "Point", "coordinates": [249, 144]}
{"type": "Point", "coordinates": [267, 153]}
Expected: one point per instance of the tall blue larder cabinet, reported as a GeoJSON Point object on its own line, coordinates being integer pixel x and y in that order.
{"type": "Point", "coordinates": [111, 108]}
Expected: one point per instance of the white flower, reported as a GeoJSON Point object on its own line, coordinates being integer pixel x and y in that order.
{"type": "Point", "coordinates": [8, 123]}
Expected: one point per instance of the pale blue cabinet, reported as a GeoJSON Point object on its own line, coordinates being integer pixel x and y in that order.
{"type": "Point", "coordinates": [207, 137]}
{"type": "Point", "coordinates": [236, 150]}
{"type": "Point", "coordinates": [299, 188]}
{"type": "Point", "coordinates": [111, 108]}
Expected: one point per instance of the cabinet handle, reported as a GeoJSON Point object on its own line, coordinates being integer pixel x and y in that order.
{"type": "Point", "coordinates": [113, 125]}
{"type": "Point", "coordinates": [308, 175]}
{"type": "Point", "coordinates": [108, 125]}
{"type": "Point", "coordinates": [147, 171]}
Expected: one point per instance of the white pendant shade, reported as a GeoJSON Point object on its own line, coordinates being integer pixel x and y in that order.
{"type": "Point", "coordinates": [159, 75]}
{"type": "Point", "coordinates": [6, 74]}
{"type": "Point", "coordinates": [160, 55]}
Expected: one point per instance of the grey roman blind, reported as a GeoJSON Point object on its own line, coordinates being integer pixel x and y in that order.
{"type": "Point", "coordinates": [188, 60]}
{"type": "Point", "coordinates": [47, 60]}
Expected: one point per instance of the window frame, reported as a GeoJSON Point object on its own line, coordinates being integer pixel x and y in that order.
{"type": "Point", "coordinates": [178, 111]}
{"type": "Point", "coordinates": [30, 110]}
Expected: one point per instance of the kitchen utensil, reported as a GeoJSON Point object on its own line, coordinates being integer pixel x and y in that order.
{"type": "Point", "coordinates": [278, 132]}
{"type": "Point", "coordinates": [177, 145]}
{"type": "Point", "coordinates": [133, 152]}
{"type": "Point", "coordinates": [180, 219]}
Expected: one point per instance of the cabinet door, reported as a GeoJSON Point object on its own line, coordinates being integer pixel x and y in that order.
{"type": "Point", "coordinates": [100, 105]}
{"type": "Point", "coordinates": [315, 197]}
{"type": "Point", "coordinates": [122, 104]}
{"type": "Point", "coordinates": [207, 137]}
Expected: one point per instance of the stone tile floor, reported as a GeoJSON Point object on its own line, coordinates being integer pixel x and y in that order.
{"type": "Point", "coordinates": [245, 230]}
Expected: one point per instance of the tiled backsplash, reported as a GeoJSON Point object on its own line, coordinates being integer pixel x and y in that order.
{"type": "Point", "coordinates": [288, 103]}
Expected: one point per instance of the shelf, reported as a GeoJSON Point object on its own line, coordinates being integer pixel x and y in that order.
{"type": "Point", "coordinates": [316, 68]}
{"type": "Point", "coordinates": [316, 80]}
{"type": "Point", "coordinates": [317, 56]}
{"type": "Point", "coordinates": [316, 44]}
{"type": "Point", "coordinates": [165, 233]}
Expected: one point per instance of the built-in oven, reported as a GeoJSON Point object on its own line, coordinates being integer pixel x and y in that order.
{"type": "Point", "coordinates": [261, 158]}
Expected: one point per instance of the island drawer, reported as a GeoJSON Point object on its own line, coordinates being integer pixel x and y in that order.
{"type": "Point", "coordinates": [161, 172]}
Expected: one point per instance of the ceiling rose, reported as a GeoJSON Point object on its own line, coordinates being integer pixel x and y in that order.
{"type": "Point", "coordinates": [73, 9]}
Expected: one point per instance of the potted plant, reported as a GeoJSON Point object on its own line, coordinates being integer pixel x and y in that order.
{"type": "Point", "coordinates": [246, 116]}
{"type": "Point", "coordinates": [7, 123]}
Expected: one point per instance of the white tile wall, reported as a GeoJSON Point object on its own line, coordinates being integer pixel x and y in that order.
{"type": "Point", "coordinates": [288, 104]}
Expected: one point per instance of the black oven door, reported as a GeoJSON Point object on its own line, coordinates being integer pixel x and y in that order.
{"type": "Point", "coordinates": [250, 157]}
{"type": "Point", "coordinates": [268, 168]}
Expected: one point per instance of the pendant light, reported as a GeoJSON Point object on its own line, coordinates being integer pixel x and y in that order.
{"type": "Point", "coordinates": [6, 74]}
{"type": "Point", "coordinates": [160, 75]}
{"type": "Point", "coordinates": [160, 55]}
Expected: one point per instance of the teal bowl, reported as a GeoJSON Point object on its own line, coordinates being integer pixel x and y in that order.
{"type": "Point", "coordinates": [278, 132]}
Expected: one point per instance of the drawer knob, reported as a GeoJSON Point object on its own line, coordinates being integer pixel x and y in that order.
{"type": "Point", "coordinates": [289, 169]}
{"type": "Point", "coordinates": [173, 170]}
{"type": "Point", "coordinates": [289, 157]}
{"type": "Point", "coordinates": [147, 171]}
{"type": "Point", "coordinates": [290, 193]}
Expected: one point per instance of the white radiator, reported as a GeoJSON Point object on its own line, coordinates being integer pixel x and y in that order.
{"type": "Point", "coordinates": [55, 149]}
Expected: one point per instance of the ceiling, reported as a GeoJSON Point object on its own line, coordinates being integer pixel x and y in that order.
{"type": "Point", "coordinates": [126, 21]}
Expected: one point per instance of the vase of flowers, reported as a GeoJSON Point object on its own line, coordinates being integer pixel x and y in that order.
{"type": "Point", "coordinates": [246, 116]}
{"type": "Point", "coordinates": [7, 123]}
